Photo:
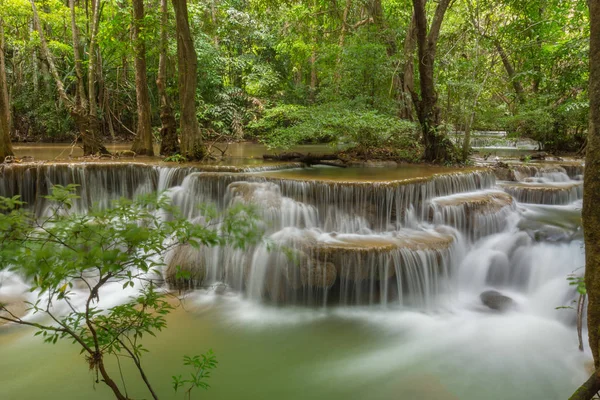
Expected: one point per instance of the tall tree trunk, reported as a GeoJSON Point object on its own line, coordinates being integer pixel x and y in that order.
{"type": "Point", "coordinates": [5, 146]}
{"type": "Point", "coordinates": [510, 71]}
{"type": "Point", "coordinates": [81, 95]}
{"type": "Point", "coordinates": [192, 146]}
{"type": "Point", "coordinates": [35, 66]}
{"type": "Point", "coordinates": [312, 89]}
{"type": "Point", "coordinates": [338, 63]}
{"type": "Point", "coordinates": [142, 143]}
{"type": "Point", "coordinates": [436, 143]}
{"type": "Point", "coordinates": [91, 145]}
{"type": "Point", "coordinates": [407, 81]}
{"type": "Point", "coordinates": [91, 141]}
{"type": "Point", "coordinates": [591, 189]}
{"type": "Point", "coordinates": [169, 144]}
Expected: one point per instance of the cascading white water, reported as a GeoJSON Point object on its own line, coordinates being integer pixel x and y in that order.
{"type": "Point", "coordinates": [411, 258]}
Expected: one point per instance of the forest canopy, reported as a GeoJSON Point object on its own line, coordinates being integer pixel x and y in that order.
{"type": "Point", "coordinates": [293, 72]}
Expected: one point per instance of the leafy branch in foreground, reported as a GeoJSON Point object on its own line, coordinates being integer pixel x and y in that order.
{"type": "Point", "coordinates": [72, 261]}
{"type": "Point", "coordinates": [202, 369]}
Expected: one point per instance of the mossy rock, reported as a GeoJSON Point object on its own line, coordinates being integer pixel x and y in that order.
{"type": "Point", "coordinates": [186, 268]}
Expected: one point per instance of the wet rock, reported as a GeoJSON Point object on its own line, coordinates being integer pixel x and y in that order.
{"type": "Point", "coordinates": [317, 274]}
{"type": "Point", "coordinates": [266, 194]}
{"type": "Point", "coordinates": [186, 268]}
{"type": "Point", "coordinates": [496, 300]}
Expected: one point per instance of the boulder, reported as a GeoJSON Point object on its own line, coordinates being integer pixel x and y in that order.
{"type": "Point", "coordinates": [318, 274]}
{"type": "Point", "coordinates": [496, 300]}
{"type": "Point", "coordinates": [187, 261]}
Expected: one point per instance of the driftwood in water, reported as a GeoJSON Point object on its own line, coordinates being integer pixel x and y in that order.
{"type": "Point", "coordinates": [308, 159]}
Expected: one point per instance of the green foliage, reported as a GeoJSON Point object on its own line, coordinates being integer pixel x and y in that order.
{"type": "Point", "coordinates": [178, 158]}
{"type": "Point", "coordinates": [579, 282]}
{"type": "Point", "coordinates": [335, 123]}
{"type": "Point", "coordinates": [555, 128]}
{"type": "Point", "coordinates": [70, 260]}
{"type": "Point", "coordinates": [202, 367]}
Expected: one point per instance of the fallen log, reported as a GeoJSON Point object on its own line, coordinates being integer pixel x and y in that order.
{"type": "Point", "coordinates": [308, 159]}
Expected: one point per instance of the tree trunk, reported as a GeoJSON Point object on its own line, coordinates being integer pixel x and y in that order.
{"type": "Point", "coordinates": [169, 144]}
{"type": "Point", "coordinates": [142, 143]}
{"type": "Point", "coordinates": [591, 189]}
{"type": "Point", "coordinates": [407, 80]}
{"type": "Point", "coordinates": [91, 145]}
{"type": "Point", "coordinates": [338, 62]}
{"type": "Point", "coordinates": [436, 144]}
{"type": "Point", "coordinates": [81, 95]}
{"type": "Point", "coordinates": [91, 140]}
{"type": "Point", "coordinates": [5, 146]}
{"type": "Point", "coordinates": [510, 71]}
{"type": "Point", "coordinates": [191, 138]}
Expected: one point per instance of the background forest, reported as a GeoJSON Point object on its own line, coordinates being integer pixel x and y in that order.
{"type": "Point", "coordinates": [309, 71]}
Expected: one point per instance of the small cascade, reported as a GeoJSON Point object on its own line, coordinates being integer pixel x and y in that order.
{"type": "Point", "coordinates": [406, 267]}
{"type": "Point", "coordinates": [99, 183]}
{"type": "Point", "coordinates": [539, 172]}
{"type": "Point", "coordinates": [385, 205]}
{"type": "Point", "coordinates": [476, 214]}
{"type": "Point", "coordinates": [555, 193]}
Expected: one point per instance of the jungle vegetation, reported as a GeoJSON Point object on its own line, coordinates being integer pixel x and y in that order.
{"type": "Point", "coordinates": [373, 73]}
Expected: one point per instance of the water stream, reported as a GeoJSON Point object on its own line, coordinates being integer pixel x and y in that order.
{"type": "Point", "coordinates": [382, 301]}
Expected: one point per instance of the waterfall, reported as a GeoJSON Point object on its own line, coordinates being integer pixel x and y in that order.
{"type": "Point", "coordinates": [408, 242]}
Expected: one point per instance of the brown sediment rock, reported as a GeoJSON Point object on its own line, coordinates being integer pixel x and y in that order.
{"type": "Point", "coordinates": [478, 201]}
{"type": "Point", "coordinates": [360, 257]}
{"type": "Point", "coordinates": [318, 274]}
{"type": "Point", "coordinates": [188, 261]}
{"type": "Point", "coordinates": [473, 205]}
{"type": "Point", "coordinates": [266, 194]}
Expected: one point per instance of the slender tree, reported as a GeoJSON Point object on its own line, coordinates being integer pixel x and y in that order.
{"type": "Point", "coordinates": [5, 146]}
{"type": "Point", "coordinates": [436, 144]}
{"type": "Point", "coordinates": [591, 195]}
{"type": "Point", "coordinates": [192, 146]}
{"type": "Point", "coordinates": [84, 117]}
{"type": "Point", "coordinates": [169, 144]}
{"type": "Point", "coordinates": [591, 213]}
{"type": "Point", "coordinates": [142, 143]}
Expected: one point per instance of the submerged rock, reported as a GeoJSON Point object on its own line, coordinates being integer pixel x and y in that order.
{"type": "Point", "coordinates": [496, 300]}
{"type": "Point", "coordinates": [186, 268]}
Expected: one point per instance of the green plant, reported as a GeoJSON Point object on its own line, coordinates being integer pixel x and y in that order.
{"type": "Point", "coordinates": [70, 260]}
{"type": "Point", "coordinates": [338, 124]}
{"type": "Point", "coordinates": [178, 158]}
{"type": "Point", "coordinates": [202, 367]}
{"type": "Point", "coordinates": [579, 282]}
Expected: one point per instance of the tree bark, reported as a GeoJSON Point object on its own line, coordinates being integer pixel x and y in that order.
{"type": "Point", "coordinates": [192, 146]}
{"type": "Point", "coordinates": [169, 144]}
{"type": "Point", "coordinates": [338, 62]}
{"type": "Point", "coordinates": [436, 144]}
{"type": "Point", "coordinates": [81, 116]}
{"type": "Point", "coordinates": [142, 143]}
{"type": "Point", "coordinates": [407, 80]}
{"type": "Point", "coordinates": [81, 94]}
{"type": "Point", "coordinates": [510, 71]}
{"type": "Point", "coordinates": [5, 145]}
{"type": "Point", "coordinates": [91, 142]}
{"type": "Point", "coordinates": [591, 189]}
